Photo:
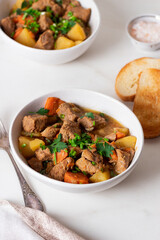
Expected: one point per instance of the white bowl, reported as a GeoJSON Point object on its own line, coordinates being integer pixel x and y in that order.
{"type": "Point", "coordinates": [143, 45]}
{"type": "Point", "coordinates": [91, 100]}
{"type": "Point", "coordinates": [52, 56]}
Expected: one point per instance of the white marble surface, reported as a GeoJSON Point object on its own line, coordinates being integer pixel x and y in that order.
{"type": "Point", "coordinates": [131, 209]}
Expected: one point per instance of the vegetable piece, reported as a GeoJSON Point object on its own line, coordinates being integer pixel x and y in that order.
{"type": "Point", "coordinates": [63, 43]}
{"type": "Point", "coordinates": [100, 176]}
{"type": "Point", "coordinates": [114, 156]}
{"type": "Point", "coordinates": [76, 33]}
{"type": "Point", "coordinates": [75, 178]}
{"type": "Point", "coordinates": [35, 144]}
{"type": "Point", "coordinates": [128, 142]}
{"type": "Point", "coordinates": [19, 3]}
{"type": "Point", "coordinates": [122, 130]}
{"type": "Point", "coordinates": [24, 146]}
{"type": "Point", "coordinates": [52, 104]}
{"type": "Point", "coordinates": [60, 156]}
{"type": "Point", "coordinates": [19, 19]}
{"type": "Point", "coordinates": [104, 149]}
{"type": "Point", "coordinates": [26, 38]}
{"type": "Point", "coordinates": [78, 42]}
{"type": "Point", "coordinates": [17, 32]}
{"type": "Point", "coordinates": [120, 135]}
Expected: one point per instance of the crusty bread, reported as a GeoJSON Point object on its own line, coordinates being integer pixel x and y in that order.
{"type": "Point", "coordinates": [126, 81]}
{"type": "Point", "coordinates": [147, 102]}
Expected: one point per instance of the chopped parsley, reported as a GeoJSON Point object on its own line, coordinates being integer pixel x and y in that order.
{"type": "Point", "coordinates": [62, 116]}
{"type": "Point", "coordinates": [102, 114]}
{"type": "Point", "coordinates": [12, 34]}
{"type": "Point", "coordinates": [33, 27]}
{"type": "Point", "coordinates": [94, 123]}
{"type": "Point", "coordinates": [24, 145]}
{"type": "Point", "coordinates": [24, 4]}
{"type": "Point", "coordinates": [72, 153]}
{"type": "Point", "coordinates": [42, 111]}
{"type": "Point", "coordinates": [43, 147]}
{"type": "Point", "coordinates": [82, 141]}
{"type": "Point", "coordinates": [89, 115]}
{"type": "Point", "coordinates": [59, 2]}
{"type": "Point", "coordinates": [84, 173]}
{"type": "Point", "coordinates": [104, 149]}
{"type": "Point", "coordinates": [49, 10]}
{"type": "Point", "coordinates": [93, 163]}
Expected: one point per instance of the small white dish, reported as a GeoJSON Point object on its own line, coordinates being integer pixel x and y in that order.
{"type": "Point", "coordinates": [52, 56]}
{"type": "Point", "coordinates": [147, 46]}
{"type": "Point", "coordinates": [91, 100]}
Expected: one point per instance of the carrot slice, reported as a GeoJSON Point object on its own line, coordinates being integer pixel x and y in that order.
{"type": "Point", "coordinates": [120, 135]}
{"type": "Point", "coordinates": [114, 156]}
{"type": "Point", "coordinates": [60, 156]}
{"type": "Point", "coordinates": [17, 32]}
{"type": "Point", "coordinates": [52, 104]}
{"type": "Point", "coordinates": [76, 178]}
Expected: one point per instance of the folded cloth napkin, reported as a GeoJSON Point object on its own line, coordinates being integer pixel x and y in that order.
{"type": "Point", "coordinates": [17, 223]}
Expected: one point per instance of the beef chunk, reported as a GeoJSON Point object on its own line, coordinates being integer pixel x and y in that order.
{"type": "Point", "coordinates": [34, 123]}
{"type": "Point", "coordinates": [92, 156]}
{"type": "Point", "coordinates": [123, 161]}
{"type": "Point", "coordinates": [79, 12]}
{"type": "Point", "coordinates": [51, 131]}
{"type": "Point", "coordinates": [59, 170]}
{"type": "Point", "coordinates": [111, 136]}
{"type": "Point", "coordinates": [69, 111]}
{"type": "Point", "coordinates": [68, 4]}
{"type": "Point", "coordinates": [90, 123]}
{"type": "Point", "coordinates": [90, 162]}
{"type": "Point", "coordinates": [69, 129]}
{"type": "Point", "coordinates": [88, 167]}
{"type": "Point", "coordinates": [43, 155]}
{"type": "Point", "coordinates": [8, 26]}
{"type": "Point", "coordinates": [35, 164]}
{"type": "Point", "coordinates": [44, 22]}
{"type": "Point", "coordinates": [42, 4]}
{"type": "Point", "coordinates": [78, 150]}
{"type": "Point", "coordinates": [45, 41]}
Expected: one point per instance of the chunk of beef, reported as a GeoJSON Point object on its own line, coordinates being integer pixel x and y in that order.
{"type": "Point", "coordinates": [79, 12]}
{"type": "Point", "coordinates": [44, 22]}
{"type": "Point", "coordinates": [111, 136]}
{"type": "Point", "coordinates": [123, 161]}
{"type": "Point", "coordinates": [90, 123]}
{"type": "Point", "coordinates": [68, 4]}
{"type": "Point", "coordinates": [43, 154]}
{"type": "Point", "coordinates": [8, 26]}
{"type": "Point", "coordinates": [45, 41]}
{"type": "Point", "coordinates": [51, 131]}
{"type": "Point", "coordinates": [59, 170]}
{"type": "Point", "coordinates": [69, 129]}
{"type": "Point", "coordinates": [35, 164]}
{"type": "Point", "coordinates": [88, 167]}
{"type": "Point", "coordinates": [42, 4]}
{"type": "Point", "coordinates": [69, 111]}
{"type": "Point", "coordinates": [34, 123]}
{"type": "Point", "coordinates": [78, 150]}
{"type": "Point", "coordinates": [92, 156]}
{"type": "Point", "coordinates": [65, 3]}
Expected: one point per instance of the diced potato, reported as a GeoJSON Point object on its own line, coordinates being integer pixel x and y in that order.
{"type": "Point", "coordinates": [35, 144]}
{"type": "Point", "coordinates": [14, 7]}
{"type": "Point", "coordinates": [127, 142]}
{"type": "Point", "coordinates": [100, 176]}
{"type": "Point", "coordinates": [76, 33]}
{"type": "Point", "coordinates": [78, 42]}
{"type": "Point", "coordinates": [19, 3]}
{"type": "Point", "coordinates": [122, 130]}
{"type": "Point", "coordinates": [24, 146]}
{"type": "Point", "coordinates": [26, 38]}
{"type": "Point", "coordinates": [63, 42]}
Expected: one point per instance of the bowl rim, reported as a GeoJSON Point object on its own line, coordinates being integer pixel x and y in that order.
{"type": "Point", "coordinates": [64, 184]}
{"type": "Point", "coordinates": [44, 51]}
{"type": "Point", "coordinates": [138, 17]}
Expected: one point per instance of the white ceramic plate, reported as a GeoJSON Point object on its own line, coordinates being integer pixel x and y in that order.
{"type": "Point", "coordinates": [88, 99]}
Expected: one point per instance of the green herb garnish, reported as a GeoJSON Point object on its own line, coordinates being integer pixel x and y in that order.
{"type": "Point", "coordinates": [93, 163]}
{"type": "Point", "coordinates": [84, 173]}
{"type": "Point", "coordinates": [70, 14]}
{"type": "Point", "coordinates": [24, 4]}
{"type": "Point", "coordinates": [72, 153]}
{"type": "Point", "coordinates": [62, 116]}
{"type": "Point", "coordinates": [24, 145]}
{"type": "Point", "coordinates": [89, 115]}
{"type": "Point", "coordinates": [42, 111]}
{"type": "Point", "coordinates": [12, 34]}
{"type": "Point", "coordinates": [104, 149]}
{"type": "Point", "coordinates": [94, 123]}
{"type": "Point", "coordinates": [49, 10]}
{"type": "Point", "coordinates": [43, 147]}
{"type": "Point", "coordinates": [33, 27]}
{"type": "Point", "coordinates": [82, 141]}
{"type": "Point", "coordinates": [59, 2]}
{"type": "Point", "coordinates": [19, 11]}
{"type": "Point", "coordinates": [102, 114]}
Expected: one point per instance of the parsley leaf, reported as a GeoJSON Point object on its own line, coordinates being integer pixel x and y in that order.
{"type": "Point", "coordinates": [24, 4]}
{"type": "Point", "coordinates": [89, 115]}
{"type": "Point", "coordinates": [72, 153]}
{"type": "Point", "coordinates": [82, 141]}
{"type": "Point", "coordinates": [42, 111]}
{"type": "Point", "coordinates": [59, 2]}
{"type": "Point", "coordinates": [104, 149]}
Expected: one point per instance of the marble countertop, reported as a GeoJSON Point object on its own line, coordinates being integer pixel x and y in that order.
{"type": "Point", "coordinates": [130, 210]}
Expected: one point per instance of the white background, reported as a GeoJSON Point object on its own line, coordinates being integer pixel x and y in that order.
{"type": "Point", "coordinates": [131, 210]}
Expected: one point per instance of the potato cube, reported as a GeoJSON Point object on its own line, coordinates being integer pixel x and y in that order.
{"type": "Point", "coordinates": [78, 42]}
{"type": "Point", "coordinates": [19, 3]}
{"type": "Point", "coordinates": [26, 38]}
{"type": "Point", "coordinates": [63, 43]}
{"type": "Point", "coordinates": [100, 176]}
{"type": "Point", "coordinates": [76, 33]}
{"type": "Point", "coordinates": [24, 146]}
{"type": "Point", "coordinates": [122, 130]}
{"type": "Point", "coordinates": [35, 144]}
{"type": "Point", "coordinates": [126, 142]}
